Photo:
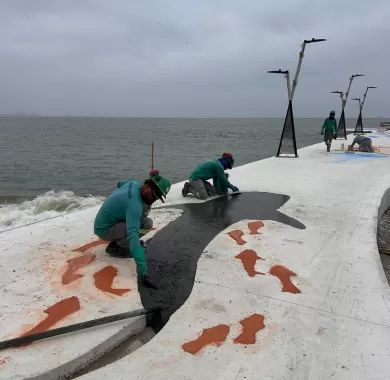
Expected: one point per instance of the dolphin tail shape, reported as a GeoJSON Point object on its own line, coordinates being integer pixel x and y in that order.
{"type": "Point", "coordinates": [283, 218]}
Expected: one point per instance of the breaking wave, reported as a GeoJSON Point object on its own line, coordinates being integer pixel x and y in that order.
{"type": "Point", "coordinates": [44, 206]}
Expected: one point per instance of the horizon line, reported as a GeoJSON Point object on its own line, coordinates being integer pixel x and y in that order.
{"type": "Point", "coordinates": [27, 115]}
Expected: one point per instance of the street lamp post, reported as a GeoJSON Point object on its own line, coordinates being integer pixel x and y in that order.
{"type": "Point", "coordinates": [341, 96]}
{"type": "Point", "coordinates": [342, 128]}
{"type": "Point", "coordinates": [288, 144]}
{"type": "Point", "coordinates": [359, 122]}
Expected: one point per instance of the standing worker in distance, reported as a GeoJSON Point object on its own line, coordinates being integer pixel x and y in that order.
{"type": "Point", "coordinates": [329, 129]}
{"type": "Point", "coordinates": [124, 212]}
{"type": "Point", "coordinates": [198, 184]}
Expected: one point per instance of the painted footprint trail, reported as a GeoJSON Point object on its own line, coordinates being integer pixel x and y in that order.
{"type": "Point", "coordinates": [174, 251]}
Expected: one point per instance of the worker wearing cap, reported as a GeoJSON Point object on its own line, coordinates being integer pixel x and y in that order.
{"type": "Point", "coordinates": [329, 129]}
{"type": "Point", "coordinates": [198, 184]}
{"type": "Point", "coordinates": [123, 213]}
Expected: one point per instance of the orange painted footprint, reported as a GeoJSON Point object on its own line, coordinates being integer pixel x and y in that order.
{"type": "Point", "coordinates": [92, 244]}
{"type": "Point", "coordinates": [56, 313]}
{"type": "Point", "coordinates": [104, 279]}
{"type": "Point", "coordinates": [217, 335]}
{"type": "Point", "coordinates": [250, 327]}
{"type": "Point", "coordinates": [236, 236]}
{"type": "Point", "coordinates": [255, 226]}
{"type": "Point", "coordinates": [248, 259]}
{"type": "Point", "coordinates": [284, 275]}
{"type": "Point", "coordinates": [214, 336]}
{"type": "Point", "coordinates": [74, 265]}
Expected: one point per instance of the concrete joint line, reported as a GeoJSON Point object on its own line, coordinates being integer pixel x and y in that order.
{"type": "Point", "coordinates": [296, 304]}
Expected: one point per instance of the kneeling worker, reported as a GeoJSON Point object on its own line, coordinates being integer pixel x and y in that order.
{"type": "Point", "coordinates": [124, 212]}
{"type": "Point", "coordinates": [364, 142]}
{"type": "Point", "coordinates": [201, 188]}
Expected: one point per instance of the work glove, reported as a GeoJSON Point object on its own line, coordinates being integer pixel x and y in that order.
{"type": "Point", "coordinates": [139, 258]}
{"type": "Point", "coordinates": [147, 283]}
{"type": "Point", "coordinates": [235, 189]}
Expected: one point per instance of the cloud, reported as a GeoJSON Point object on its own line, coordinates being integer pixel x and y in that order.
{"type": "Point", "coordinates": [194, 58]}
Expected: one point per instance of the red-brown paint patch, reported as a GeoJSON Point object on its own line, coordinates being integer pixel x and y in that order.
{"type": "Point", "coordinates": [255, 226]}
{"type": "Point", "coordinates": [284, 274]}
{"type": "Point", "coordinates": [92, 244]}
{"type": "Point", "coordinates": [250, 327]}
{"type": "Point", "coordinates": [236, 236]}
{"type": "Point", "coordinates": [213, 336]}
{"type": "Point", "coordinates": [104, 279]}
{"type": "Point", "coordinates": [55, 313]}
{"type": "Point", "coordinates": [248, 259]}
{"type": "Point", "coordinates": [4, 360]}
{"type": "Point", "coordinates": [74, 265]}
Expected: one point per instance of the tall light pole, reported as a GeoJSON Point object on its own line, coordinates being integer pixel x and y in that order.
{"type": "Point", "coordinates": [287, 76]}
{"type": "Point", "coordinates": [342, 128]}
{"type": "Point", "coordinates": [341, 96]}
{"type": "Point", "coordinates": [288, 144]}
{"type": "Point", "coordinates": [359, 122]}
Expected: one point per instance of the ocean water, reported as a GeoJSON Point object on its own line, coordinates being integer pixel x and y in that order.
{"type": "Point", "coordinates": [52, 165]}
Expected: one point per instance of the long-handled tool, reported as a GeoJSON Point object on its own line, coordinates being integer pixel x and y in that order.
{"type": "Point", "coordinates": [152, 156]}
{"type": "Point", "coordinates": [78, 326]}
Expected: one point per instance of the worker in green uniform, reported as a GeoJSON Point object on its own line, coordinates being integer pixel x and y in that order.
{"type": "Point", "coordinates": [123, 214]}
{"type": "Point", "coordinates": [198, 184]}
{"type": "Point", "coordinates": [329, 129]}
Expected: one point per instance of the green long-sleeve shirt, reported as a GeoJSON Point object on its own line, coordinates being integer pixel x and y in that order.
{"type": "Point", "coordinates": [329, 127]}
{"type": "Point", "coordinates": [211, 170]}
{"type": "Point", "coordinates": [124, 204]}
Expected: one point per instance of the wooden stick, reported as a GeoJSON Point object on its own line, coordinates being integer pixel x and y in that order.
{"type": "Point", "coordinates": [152, 155]}
{"type": "Point", "coordinates": [78, 326]}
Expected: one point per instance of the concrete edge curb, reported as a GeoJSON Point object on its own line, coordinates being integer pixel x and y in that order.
{"type": "Point", "coordinates": [65, 371]}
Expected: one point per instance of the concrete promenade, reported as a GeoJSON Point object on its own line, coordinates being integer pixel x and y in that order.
{"type": "Point", "coordinates": [55, 273]}
{"type": "Point", "coordinates": [299, 296]}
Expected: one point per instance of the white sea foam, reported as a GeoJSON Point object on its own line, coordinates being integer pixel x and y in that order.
{"type": "Point", "coordinates": [44, 206]}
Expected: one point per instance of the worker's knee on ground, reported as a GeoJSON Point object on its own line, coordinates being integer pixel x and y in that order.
{"type": "Point", "coordinates": [146, 223]}
{"type": "Point", "coordinates": [211, 192]}
{"type": "Point", "coordinates": [201, 195]}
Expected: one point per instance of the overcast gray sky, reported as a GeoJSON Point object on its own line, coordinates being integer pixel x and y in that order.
{"type": "Point", "coordinates": [200, 58]}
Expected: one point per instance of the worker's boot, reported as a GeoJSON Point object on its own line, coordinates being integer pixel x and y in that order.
{"type": "Point", "coordinates": [328, 148]}
{"type": "Point", "coordinates": [186, 189]}
{"type": "Point", "coordinates": [114, 250]}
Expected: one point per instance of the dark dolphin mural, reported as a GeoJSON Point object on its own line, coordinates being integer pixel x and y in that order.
{"type": "Point", "coordinates": [174, 251]}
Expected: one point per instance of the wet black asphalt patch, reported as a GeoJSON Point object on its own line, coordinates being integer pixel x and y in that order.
{"type": "Point", "coordinates": [174, 251]}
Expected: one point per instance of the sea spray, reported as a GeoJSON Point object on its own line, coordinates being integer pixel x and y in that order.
{"type": "Point", "coordinates": [44, 206]}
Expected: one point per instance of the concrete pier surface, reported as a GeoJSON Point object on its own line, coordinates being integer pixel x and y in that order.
{"type": "Point", "coordinates": [55, 273]}
{"type": "Point", "coordinates": [289, 284]}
